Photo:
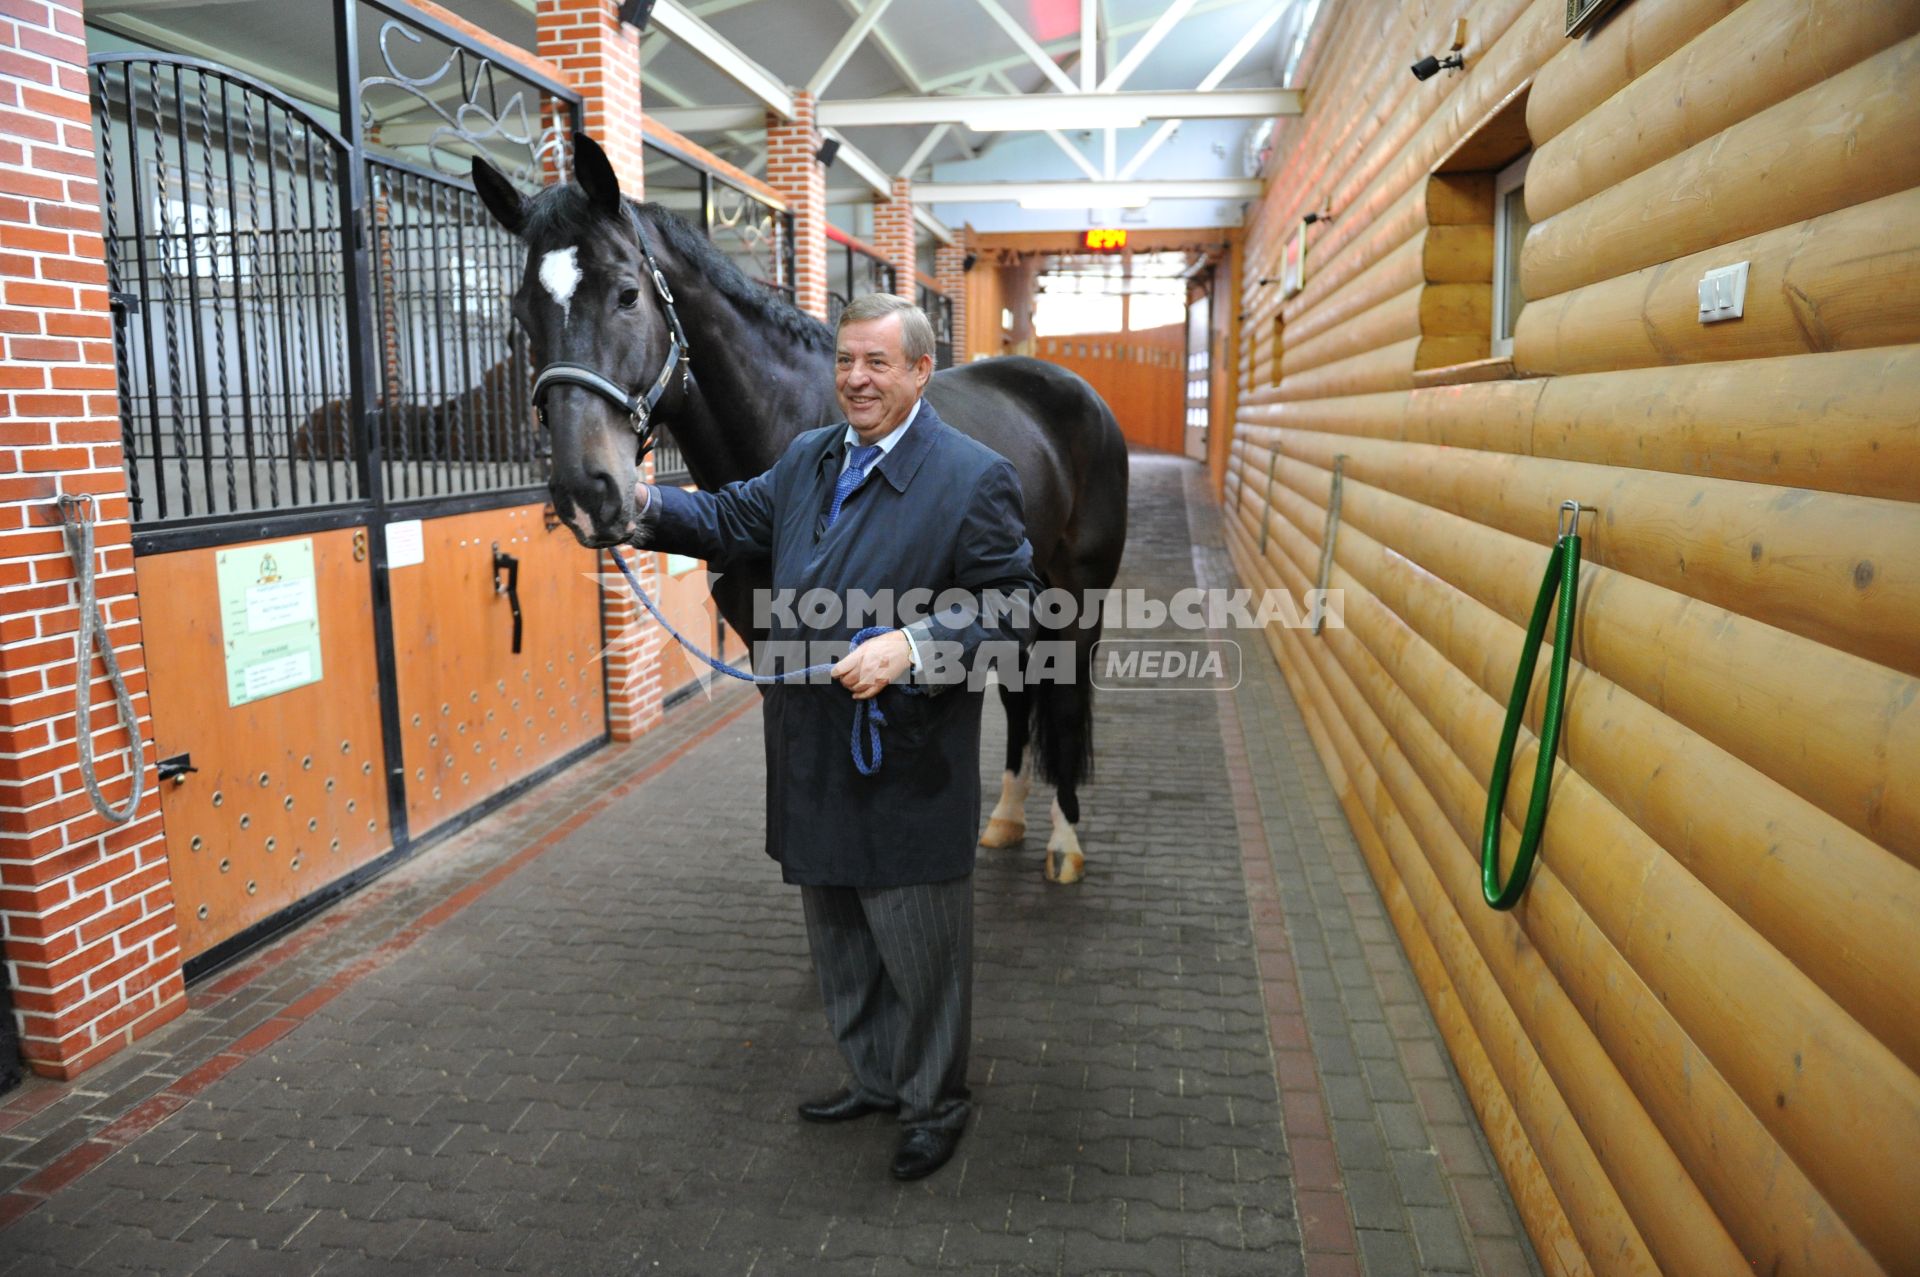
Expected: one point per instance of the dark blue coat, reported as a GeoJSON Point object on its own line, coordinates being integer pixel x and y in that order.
{"type": "Point", "coordinates": [939, 511]}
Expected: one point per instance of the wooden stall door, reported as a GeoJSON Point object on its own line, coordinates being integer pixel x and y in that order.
{"type": "Point", "coordinates": [474, 715]}
{"type": "Point", "coordinates": [290, 791]}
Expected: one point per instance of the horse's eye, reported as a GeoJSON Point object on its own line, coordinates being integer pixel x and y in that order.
{"type": "Point", "coordinates": [629, 298]}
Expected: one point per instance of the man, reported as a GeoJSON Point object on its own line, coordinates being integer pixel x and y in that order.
{"type": "Point", "coordinates": [893, 500]}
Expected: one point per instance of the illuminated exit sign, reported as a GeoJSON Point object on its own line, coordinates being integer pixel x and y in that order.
{"type": "Point", "coordinates": [1106, 241]}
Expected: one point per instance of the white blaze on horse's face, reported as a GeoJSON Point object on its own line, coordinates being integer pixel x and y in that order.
{"type": "Point", "coordinates": [560, 274]}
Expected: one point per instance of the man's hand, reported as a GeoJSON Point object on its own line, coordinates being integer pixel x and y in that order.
{"type": "Point", "coordinates": [875, 663]}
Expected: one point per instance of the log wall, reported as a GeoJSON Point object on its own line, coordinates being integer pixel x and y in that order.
{"type": "Point", "coordinates": [1694, 1044]}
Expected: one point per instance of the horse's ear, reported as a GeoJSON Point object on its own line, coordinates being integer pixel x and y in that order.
{"type": "Point", "coordinates": [594, 171]}
{"type": "Point", "coordinates": [503, 200]}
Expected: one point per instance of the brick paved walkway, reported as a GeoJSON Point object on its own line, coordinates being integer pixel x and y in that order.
{"type": "Point", "coordinates": [570, 1040]}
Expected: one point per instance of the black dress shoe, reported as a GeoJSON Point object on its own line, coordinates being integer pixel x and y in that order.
{"type": "Point", "coordinates": [923, 1150]}
{"type": "Point", "coordinates": [843, 1107]}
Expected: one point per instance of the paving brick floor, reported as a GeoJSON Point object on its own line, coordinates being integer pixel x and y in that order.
{"type": "Point", "coordinates": [570, 1041]}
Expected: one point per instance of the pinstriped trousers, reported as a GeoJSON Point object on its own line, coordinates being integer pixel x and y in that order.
{"type": "Point", "coordinates": [896, 974]}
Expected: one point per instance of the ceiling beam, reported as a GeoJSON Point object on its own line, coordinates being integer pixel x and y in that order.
{"type": "Point", "coordinates": [1003, 113]}
{"type": "Point", "coordinates": [852, 40]}
{"type": "Point", "coordinates": [891, 52]}
{"type": "Point", "coordinates": [1146, 44]}
{"type": "Point", "coordinates": [859, 165]}
{"type": "Point", "coordinates": [1062, 46]}
{"type": "Point", "coordinates": [1085, 194]}
{"type": "Point", "coordinates": [939, 228]}
{"type": "Point", "coordinates": [1221, 70]}
{"type": "Point", "coordinates": [707, 119]}
{"type": "Point", "coordinates": [1072, 152]}
{"type": "Point", "coordinates": [922, 152]}
{"type": "Point", "coordinates": [673, 18]}
{"type": "Point", "coordinates": [1035, 54]}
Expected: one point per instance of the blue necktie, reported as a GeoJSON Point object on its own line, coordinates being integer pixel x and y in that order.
{"type": "Point", "coordinates": [850, 478]}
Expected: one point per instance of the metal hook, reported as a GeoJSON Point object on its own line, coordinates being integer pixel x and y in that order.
{"type": "Point", "coordinates": [1568, 522]}
{"type": "Point", "coordinates": [71, 505]}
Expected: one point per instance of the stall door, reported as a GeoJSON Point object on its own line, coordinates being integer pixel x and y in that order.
{"type": "Point", "coordinates": [288, 792]}
{"type": "Point", "coordinates": [476, 715]}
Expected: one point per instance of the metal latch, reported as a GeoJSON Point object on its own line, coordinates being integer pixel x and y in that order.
{"type": "Point", "coordinates": [175, 767]}
{"type": "Point", "coordinates": [504, 562]}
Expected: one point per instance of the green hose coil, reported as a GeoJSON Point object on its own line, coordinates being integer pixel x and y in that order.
{"type": "Point", "coordinates": [1562, 579]}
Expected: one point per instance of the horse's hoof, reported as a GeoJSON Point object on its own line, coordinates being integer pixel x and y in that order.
{"type": "Point", "coordinates": [1003, 833]}
{"type": "Point", "coordinates": [1070, 868]}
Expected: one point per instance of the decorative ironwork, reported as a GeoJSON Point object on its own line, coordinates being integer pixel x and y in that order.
{"type": "Point", "coordinates": [480, 117]}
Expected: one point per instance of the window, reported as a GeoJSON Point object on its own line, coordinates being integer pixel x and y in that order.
{"type": "Point", "coordinates": [1510, 226]}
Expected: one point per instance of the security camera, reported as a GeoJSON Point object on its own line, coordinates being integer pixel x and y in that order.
{"type": "Point", "coordinates": [1428, 67]}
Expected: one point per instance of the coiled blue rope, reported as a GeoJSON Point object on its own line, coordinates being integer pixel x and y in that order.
{"type": "Point", "coordinates": [866, 713]}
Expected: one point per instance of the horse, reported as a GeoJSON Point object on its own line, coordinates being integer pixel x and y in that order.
{"type": "Point", "coordinates": [616, 289]}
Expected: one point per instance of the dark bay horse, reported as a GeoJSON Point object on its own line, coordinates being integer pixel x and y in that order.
{"type": "Point", "coordinates": [762, 373]}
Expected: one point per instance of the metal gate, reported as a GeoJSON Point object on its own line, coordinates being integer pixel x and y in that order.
{"type": "Point", "coordinates": [360, 629]}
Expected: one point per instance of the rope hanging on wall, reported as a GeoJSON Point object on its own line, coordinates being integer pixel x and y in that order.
{"type": "Point", "coordinates": [76, 523]}
{"type": "Point", "coordinates": [1562, 579]}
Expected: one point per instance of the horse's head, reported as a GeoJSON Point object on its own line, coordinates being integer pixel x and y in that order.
{"type": "Point", "coordinates": [590, 306]}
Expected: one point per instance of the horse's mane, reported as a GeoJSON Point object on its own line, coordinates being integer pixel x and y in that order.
{"type": "Point", "coordinates": [565, 212]}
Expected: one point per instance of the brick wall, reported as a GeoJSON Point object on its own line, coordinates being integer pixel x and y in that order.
{"type": "Point", "coordinates": [950, 272]}
{"type": "Point", "coordinates": [86, 908]}
{"type": "Point", "coordinates": [893, 236]}
{"type": "Point", "coordinates": [802, 182]}
{"type": "Point", "coordinates": [601, 59]}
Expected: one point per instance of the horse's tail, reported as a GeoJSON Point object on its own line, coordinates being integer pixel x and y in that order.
{"type": "Point", "coordinates": [1061, 720]}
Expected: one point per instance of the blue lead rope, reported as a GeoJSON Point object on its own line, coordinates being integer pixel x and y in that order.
{"type": "Point", "coordinates": [866, 713]}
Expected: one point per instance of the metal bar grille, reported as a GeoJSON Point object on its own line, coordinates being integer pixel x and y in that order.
{"type": "Point", "coordinates": [451, 407]}
{"type": "Point", "coordinates": [221, 204]}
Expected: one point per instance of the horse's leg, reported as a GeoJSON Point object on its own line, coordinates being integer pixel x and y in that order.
{"type": "Point", "coordinates": [1066, 860]}
{"type": "Point", "coordinates": [1008, 823]}
{"type": "Point", "coordinates": [1063, 744]}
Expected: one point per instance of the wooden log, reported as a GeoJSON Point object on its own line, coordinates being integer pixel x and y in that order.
{"type": "Point", "coordinates": [1458, 255]}
{"type": "Point", "coordinates": [1393, 274]}
{"type": "Point", "coordinates": [1707, 1154]}
{"type": "Point", "coordinates": [1807, 1043]}
{"type": "Point", "coordinates": [1388, 368]}
{"type": "Point", "coordinates": [1839, 422]}
{"type": "Point", "coordinates": [1378, 415]}
{"type": "Point", "coordinates": [1843, 141]}
{"type": "Point", "coordinates": [1842, 281]}
{"type": "Point", "coordinates": [1520, 50]}
{"type": "Point", "coordinates": [1449, 310]}
{"type": "Point", "coordinates": [1588, 71]}
{"type": "Point", "coordinates": [1393, 228]}
{"type": "Point", "coordinates": [1541, 1212]}
{"type": "Point", "coordinates": [1602, 1224]}
{"type": "Point", "coordinates": [1761, 54]}
{"type": "Point", "coordinates": [1449, 352]}
{"type": "Point", "coordinates": [1459, 199]}
{"type": "Point", "coordinates": [1838, 905]}
{"type": "Point", "coordinates": [1393, 320]}
{"type": "Point", "coordinates": [1825, 565]}
{"type": "Point", "coordinates": [1843, 733]}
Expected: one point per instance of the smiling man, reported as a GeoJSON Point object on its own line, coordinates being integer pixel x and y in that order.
{"type": "Point", "coordinates": [890, 501]}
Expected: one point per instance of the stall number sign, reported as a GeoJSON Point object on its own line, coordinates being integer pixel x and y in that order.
{"type": "Point", "coordinates": [269, 619]}
{"type": "Point", "coordinates": [1106, 241]}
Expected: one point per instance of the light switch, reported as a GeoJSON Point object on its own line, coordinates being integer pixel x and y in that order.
{"type": "Point", "coordinates": [1723, 293]}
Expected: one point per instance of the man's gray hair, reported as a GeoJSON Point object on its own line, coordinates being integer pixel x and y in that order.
{"type": "Point", "coordinates": [916, 331]}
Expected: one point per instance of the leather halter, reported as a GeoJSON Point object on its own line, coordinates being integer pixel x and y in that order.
{"type": "Point", "coordinates": [636, 404]}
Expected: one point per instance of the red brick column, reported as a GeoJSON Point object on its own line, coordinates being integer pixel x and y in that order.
{"type": "Point", "coordinates": [86, 908]}
{"type": "Point", "coordinates": [792, 170]}
{"type": "Point", "coordinates": [601, 60]}
{"type": "Point", "coordinates": [950, 273]}
{"type": "Point", "coordinates": [893, 236]}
